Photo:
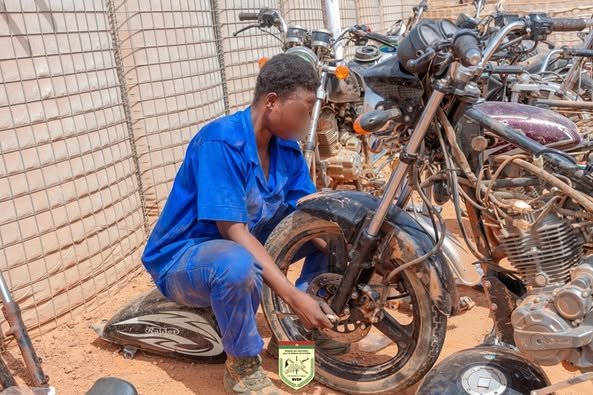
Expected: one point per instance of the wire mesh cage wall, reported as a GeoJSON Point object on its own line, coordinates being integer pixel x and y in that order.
{"type": "Point", "coordinates": [306, 13]}
{"type": "Point", "coordinates": [71, 221]}
{"type": "Point", "coordinates": [241, 53]}
{"type": "Point", "coordinates": [394, 10]}
{"type": "Point", "coordinates": [173, 73]}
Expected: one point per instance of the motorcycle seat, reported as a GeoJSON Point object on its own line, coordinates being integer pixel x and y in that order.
{"type": "Point", "coordinates": [112, 386]}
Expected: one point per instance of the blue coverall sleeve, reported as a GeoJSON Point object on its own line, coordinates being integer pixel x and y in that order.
{"type": "Point", "coordinates": [300, 183]}
{"type": "Point", "coordinates": [221, 181]}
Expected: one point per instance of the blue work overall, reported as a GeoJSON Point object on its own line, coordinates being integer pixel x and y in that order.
{"type": "Point", "coordinates": [221, 179]}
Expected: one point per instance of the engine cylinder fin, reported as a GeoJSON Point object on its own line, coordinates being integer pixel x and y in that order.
{"type": "Point", "coordinates": [550, 248]}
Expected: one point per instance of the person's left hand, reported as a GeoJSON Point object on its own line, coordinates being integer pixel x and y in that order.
{"type": "Point", "coordinates": [310, 311]}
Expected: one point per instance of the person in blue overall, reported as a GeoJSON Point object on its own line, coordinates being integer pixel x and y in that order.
{"type": "Point", "coordinates": [241, 175]}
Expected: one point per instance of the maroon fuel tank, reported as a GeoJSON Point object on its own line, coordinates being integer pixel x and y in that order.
{"type": "Point", "coordinates": [542, 125]}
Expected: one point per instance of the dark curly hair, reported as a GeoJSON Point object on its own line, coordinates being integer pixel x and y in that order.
{"type": "Point", "coordinates": [283, 74]}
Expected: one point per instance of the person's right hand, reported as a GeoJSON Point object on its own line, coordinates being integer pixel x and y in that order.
{"type": "Point", "coordinates": [310, 311]}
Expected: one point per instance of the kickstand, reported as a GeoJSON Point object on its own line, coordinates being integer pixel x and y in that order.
{"type": "Point", "coordinates": [564, 384]}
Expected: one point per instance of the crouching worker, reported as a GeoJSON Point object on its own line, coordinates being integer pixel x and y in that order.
{"type": "Point", "coordinates": [241, 175]}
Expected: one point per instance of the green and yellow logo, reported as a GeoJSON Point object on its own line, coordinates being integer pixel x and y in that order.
{"type": "Point", "coordinates": [296, 363]}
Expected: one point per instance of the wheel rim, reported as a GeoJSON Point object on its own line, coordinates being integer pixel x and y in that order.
{"type": "Point", "coordinates": [391, 359]}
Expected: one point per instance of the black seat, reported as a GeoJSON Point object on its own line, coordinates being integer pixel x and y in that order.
{"type": "Point", "coordinates": [112, 386]}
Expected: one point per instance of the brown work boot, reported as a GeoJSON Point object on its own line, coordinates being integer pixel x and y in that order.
{"type": "Point", "coordinates": [246, 376]}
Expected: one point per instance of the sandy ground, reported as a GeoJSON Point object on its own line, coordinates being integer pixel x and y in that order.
{"type": "Point", "coordinates": [74, 357]}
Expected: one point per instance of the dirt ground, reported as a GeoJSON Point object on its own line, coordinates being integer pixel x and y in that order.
{"type": "Point", "coordinates": [74, 357]}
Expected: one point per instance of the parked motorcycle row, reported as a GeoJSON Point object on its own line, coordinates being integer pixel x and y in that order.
{"type": "Point", "coordinates": [483, 114]}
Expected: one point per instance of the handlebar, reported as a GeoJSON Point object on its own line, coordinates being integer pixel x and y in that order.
{"type": "Point", "coordinates": [266, 17]}
{"type": "Point", "coordinates": [506, 69]}
{"type": "Point", "coordinates": [381, 38]}
{"type": "Point", "coordinates": [374, 121]}
{"type": "Point", "coordinates": [248, 16]}
{"type": "Point", "coordinates": [539, 25]}
{"type": "Point", "coordinates": [584, 53]}
{"type": "Point", "coordinates": [570, 24]}
{"type": "Point", "coordinates": [363, 32]}
{"type": "Point", "coordinates": [494, 43]}
{"type": "Point", "coordinates": [466, 47]}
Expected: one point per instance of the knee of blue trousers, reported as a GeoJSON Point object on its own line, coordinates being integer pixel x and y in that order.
{"type": "Point", "coordinates": [236, 269]}
{"type": "Point", "coordinates": [236, 288]}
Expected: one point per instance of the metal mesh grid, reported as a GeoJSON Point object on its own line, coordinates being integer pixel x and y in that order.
{"type": "Point", "coordinates": [348, 18]}
{"type": "Point", "coordinates": [348, 12]}
{"type": "Point", "coordinates": [174, 80]}
{"type": "Point", "coordinates": [71, 220]}
{"type": "Point", "coordinates": [307, 13]}
{"type": "Point", "coordinates": [394, 10]}
{"type": "Point", "coordinates": [241, 53]}
{"type": "Point", "coordinates": [369, 13]}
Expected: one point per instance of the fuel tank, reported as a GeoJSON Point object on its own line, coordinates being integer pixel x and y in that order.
{"type": "Point", "coordinates": [539, 124]}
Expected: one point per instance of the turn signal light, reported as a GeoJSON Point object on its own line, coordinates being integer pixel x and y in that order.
{"type": "Point", "coordinates": [342, 72]}
{"type": "Point", "coordinates": [358, 128]}
{"type": "Point", "coordinates": [263, 60]}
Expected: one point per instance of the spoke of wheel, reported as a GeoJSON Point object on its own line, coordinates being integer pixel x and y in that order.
{"type": "Point", "coordinates": [394, 330]}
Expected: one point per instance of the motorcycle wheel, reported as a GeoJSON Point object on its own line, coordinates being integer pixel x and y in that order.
{"type": "Point", "coordinates": [483, 370]}
{"type": "Point", "coordinates": [386, 371]}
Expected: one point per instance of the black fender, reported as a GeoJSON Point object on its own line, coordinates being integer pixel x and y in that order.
{"type": "Point", "coordinates": [349, 210]}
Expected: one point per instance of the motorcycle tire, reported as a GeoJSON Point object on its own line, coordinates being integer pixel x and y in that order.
{"type": "Point", "coordinates": [483, 370]}
{"type": "Point", "coordinates": [391, 376]}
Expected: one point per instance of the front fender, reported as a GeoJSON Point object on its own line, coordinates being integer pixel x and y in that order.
{"type": "Point", "coordinates": [349, 210]}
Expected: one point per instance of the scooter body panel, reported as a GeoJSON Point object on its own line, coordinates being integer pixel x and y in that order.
{"type": "Point", "coordinates": [156, 325]}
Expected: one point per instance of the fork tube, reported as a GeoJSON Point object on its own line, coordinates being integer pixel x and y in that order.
{"type": "Point", "coordinates": [368, 237]}
{"type": "Point", "coordinates": [400, 171]}
{"type": "Point", "coordinates": [310, 144]}
{"type": "Point", "coordinates": [332, 9]}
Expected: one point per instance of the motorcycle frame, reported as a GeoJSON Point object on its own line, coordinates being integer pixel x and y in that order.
{"type": "Point", "coordinates": [498, 290]}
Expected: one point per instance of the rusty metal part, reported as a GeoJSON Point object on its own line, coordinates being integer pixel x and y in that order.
{"type": "Point", "coordinates": [479, 143]}
{"type": "Point", "coordinates": [455, 150]}
{"type": "Point", "coordinates": [502, 303]}
{"type": "Point", "coordinates": [577, 196]}
{"type": "Point", "coordinates": [579, 105]}
{"type": "Point", "coordinates": [571, 77]}
{"type": "Point", "coordinates": [348, 328]}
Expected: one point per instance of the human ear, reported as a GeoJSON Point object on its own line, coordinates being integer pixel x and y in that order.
{"type": "Point", "coordinates": [271, 100]}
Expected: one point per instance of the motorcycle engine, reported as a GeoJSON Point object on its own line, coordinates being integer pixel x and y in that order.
{"type": "Point", "coordinates": [340, 151]}
{"type": "Point", "coordinates": [553, 322]}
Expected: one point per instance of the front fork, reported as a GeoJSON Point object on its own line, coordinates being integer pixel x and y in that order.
{"type": "Point", "coordinates": [369, 236]}
{"type": "Point", "coordinates": [309, 151]}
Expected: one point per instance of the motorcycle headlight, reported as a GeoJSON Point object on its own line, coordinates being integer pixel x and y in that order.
{"type": "Point", "coordinates": [304, 53]}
